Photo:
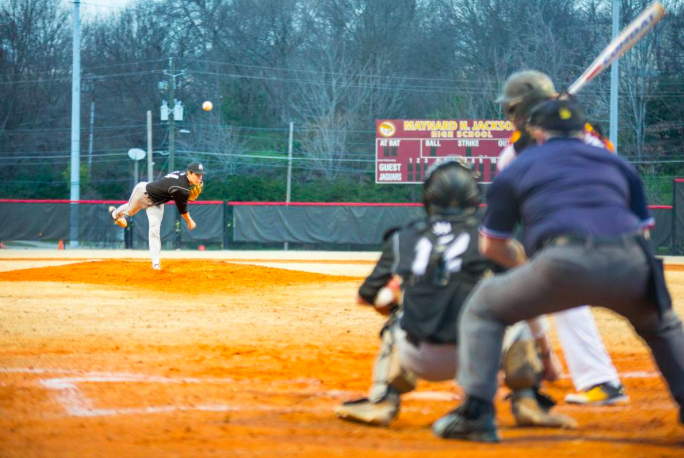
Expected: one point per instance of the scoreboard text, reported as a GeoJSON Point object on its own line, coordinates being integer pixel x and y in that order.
{"type": "Point", "coordinates": [405, 149]}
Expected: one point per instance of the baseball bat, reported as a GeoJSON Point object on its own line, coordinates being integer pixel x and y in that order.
{"type": "Point", "coordinates": [621, 44]}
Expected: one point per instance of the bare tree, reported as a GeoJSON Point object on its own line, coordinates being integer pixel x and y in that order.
{"type": "Point", "coordinates": [34, 96]}
{"type": "Point", "coordinates": [209, 137]}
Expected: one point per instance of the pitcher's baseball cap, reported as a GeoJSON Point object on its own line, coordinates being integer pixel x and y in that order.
{"type": "Point", "coordinates": [196, 167]}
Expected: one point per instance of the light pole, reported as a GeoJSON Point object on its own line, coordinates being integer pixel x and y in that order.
{"type": "Point", "coordinates": [614, 81]}
{"type": "Point", "coordinates": [150, 164]}
{"type": "Point", "coordinates": [289, 173]}
{"type": "Point", "coordinates": [75, 183]}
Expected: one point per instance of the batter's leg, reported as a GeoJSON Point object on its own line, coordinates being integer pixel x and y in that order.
{"type": "Point", "coordinates": [155, 214]}
{"type": "Point", "coordinates": [588, 361]}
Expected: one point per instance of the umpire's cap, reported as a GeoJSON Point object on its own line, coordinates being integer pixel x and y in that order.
{"type": "Point", "coordinates": [560, 115]}
{"type": "Point", "coordinates": [450, 187]}
{"type": "Point", "coordinates": [196, 168]}
{"type": "Point", "coordinates": [523, 90]}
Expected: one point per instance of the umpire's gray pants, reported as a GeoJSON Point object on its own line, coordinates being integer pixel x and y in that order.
{"type": "Point", "coordinates": [559, 278]}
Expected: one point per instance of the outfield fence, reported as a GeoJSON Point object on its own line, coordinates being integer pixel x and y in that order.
{"type": "Point", "coordinates": [253, 225]}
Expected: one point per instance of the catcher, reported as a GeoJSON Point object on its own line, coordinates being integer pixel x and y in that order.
{"type": "Point", "coordinates": [176, 186]}
{"type": "Point", "coordinates": [438, 263]}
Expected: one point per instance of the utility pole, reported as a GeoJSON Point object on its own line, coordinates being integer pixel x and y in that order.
{"type": "Point", "coordinates": [614, 81]}
{"type": "Point", "coordinates": [289, 165]}
{"type": "Point", "coordinates": [172, 112]}
{"type": "Point", "coordinates": [289, 172]}
{"type": "Point", "coordinates": [75, 184]}
{"type": "Point", "coordinates": [172, 117]}
{"type": "Point", "coordinates": [150, 164]}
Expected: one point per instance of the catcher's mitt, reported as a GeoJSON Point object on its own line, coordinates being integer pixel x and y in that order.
{"type": "Point", "coordinates": [195, 191]}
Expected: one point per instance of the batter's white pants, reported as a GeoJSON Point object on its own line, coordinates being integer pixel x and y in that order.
{"type": "Point", "coordinates": [588, 361]}
{"type": "Point", "coordinates": [155, 213]}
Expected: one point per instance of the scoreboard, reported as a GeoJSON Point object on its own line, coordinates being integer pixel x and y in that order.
{"type": "Point", "coordinates": [405, 149]}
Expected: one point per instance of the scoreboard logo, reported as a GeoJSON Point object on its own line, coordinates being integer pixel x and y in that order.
{"type": "Point", "coordinates": [387, 129]}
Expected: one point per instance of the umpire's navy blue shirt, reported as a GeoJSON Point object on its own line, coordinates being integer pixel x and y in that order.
{"type": "Point", "coordinates": [564, 187]}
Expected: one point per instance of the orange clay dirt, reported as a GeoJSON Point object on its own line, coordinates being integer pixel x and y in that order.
{"type": "Point", "coordinates": [209, 358]}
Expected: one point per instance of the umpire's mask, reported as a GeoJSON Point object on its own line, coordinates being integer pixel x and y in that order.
{"type": "Point", "coordinates": [450, 188]}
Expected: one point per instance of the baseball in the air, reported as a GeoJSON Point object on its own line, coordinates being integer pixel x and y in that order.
{"type": "Point", "coordinates": [386, 297]}
{"type": "Point", "coordinates": [207, 106]}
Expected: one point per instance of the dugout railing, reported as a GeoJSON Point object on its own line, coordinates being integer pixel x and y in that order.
{"type": "Point", "coordinates": [253, 225]}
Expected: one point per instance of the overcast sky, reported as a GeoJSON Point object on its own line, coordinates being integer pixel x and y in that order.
{"type": "Point", "coordinates": [99, 7]}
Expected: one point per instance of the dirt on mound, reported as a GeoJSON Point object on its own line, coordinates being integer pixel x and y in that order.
{"type": "Point", "coordinates": [674, 267]}
{"type": "Point", "coordinates": [191, 276]}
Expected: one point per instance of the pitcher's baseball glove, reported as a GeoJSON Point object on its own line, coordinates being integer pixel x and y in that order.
{"type": "Point", "coordinates": [195, 191]}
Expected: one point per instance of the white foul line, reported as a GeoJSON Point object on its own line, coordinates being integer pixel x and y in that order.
{"type": "Point", "coordinates": [76, 404]}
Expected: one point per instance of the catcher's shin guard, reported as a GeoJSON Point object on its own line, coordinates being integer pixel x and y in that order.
{"type": "Point", "coordinates": [522, 365]}
{"type": "Point", "coordinates": [387, 370]}
{"type": "Point", "coordinates": [376, 413]}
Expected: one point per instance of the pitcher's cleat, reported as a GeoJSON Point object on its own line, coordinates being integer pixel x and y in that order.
{"type": "Point", "coordinates": [121, 221]}
{"type": "Point", "coordinates": [156, 267]}
{"type": "Point", "coordinates": [380, 413]}
{"type": "Point", "coordinates": [602, 394]}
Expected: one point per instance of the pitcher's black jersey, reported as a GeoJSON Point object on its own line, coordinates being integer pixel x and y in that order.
{"type": "Point", "coordinates": [174, 186]}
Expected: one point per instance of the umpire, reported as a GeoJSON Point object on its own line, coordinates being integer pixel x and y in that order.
{"type": "Point", "coordinates": [586, 223]}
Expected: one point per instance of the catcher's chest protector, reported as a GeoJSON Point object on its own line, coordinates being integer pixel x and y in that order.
{"type": "Point", "coordinates": [436, 252]}
{"type": "Point", "coordinates": [440, 264]}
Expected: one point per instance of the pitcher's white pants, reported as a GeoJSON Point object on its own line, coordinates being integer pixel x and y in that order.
{"type": "Point", "coordinates": [155, 213]}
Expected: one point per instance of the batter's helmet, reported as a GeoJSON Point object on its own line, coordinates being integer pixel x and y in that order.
{"type": "Point", "coordinates": [450, 187]}
{"type": "Point", "coordinates": [522, 90]}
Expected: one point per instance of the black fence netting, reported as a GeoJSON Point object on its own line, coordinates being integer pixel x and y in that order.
{"type": "Point", "coordinates": [174, 230]}
{"type": "Point", "coordinates": [255, 225]}
{"type": "Point", "coordinates": [357, 224]}
{"type": "Point", "coordinates": [677, 224]}
{"type": "Point", "coordinates": [50, 221]}
{"type": "Point", "coordinates": [313, 224]}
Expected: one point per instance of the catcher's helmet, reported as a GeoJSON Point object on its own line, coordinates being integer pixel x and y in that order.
{"type": "Point", "coordinates": [522, 90]}
{"type": "Point", "coordinates": [450, 187]}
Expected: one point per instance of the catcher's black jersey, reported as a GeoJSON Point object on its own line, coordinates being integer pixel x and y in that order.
{"type": "Point", "coordinates": [174, 186]}
{"type": "Point", "coordinates": [439, 263]}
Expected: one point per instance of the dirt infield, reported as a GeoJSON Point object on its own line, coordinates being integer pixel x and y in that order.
{"type": "Point", "coordinates": [108, 358]}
